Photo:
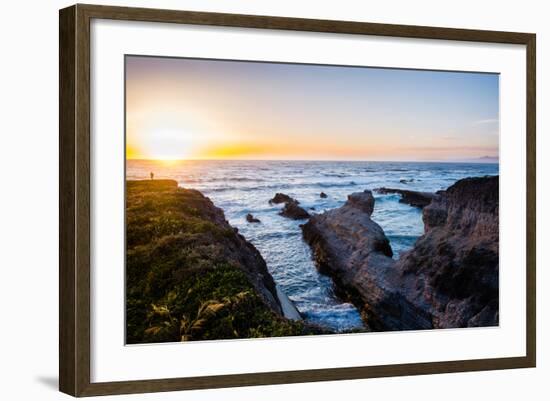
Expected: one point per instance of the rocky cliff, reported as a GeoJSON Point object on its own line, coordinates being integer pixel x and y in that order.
{"type": "Point", "coordinates": [190, 275]}
{"type": "Point", "coordinates": [448, 279]}
{"type": "Point", "coordinates": [453, 268]}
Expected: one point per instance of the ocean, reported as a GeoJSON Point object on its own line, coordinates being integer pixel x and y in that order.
{"type": "Point", "coordinates": [241, 187]}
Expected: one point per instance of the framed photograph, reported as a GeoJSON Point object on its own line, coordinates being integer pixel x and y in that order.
{"type": "Point", "coordinates": [250, 200]}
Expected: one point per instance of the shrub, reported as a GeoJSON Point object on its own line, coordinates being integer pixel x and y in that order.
{"type": "Point", "coordinates": [181, 285]}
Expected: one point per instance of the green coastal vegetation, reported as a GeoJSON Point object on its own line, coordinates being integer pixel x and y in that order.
{"type": "Point", "coordinates": [186, 277]}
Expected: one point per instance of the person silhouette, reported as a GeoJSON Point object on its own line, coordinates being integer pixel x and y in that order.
{"type": "Point", "coordinates": [152, 175]}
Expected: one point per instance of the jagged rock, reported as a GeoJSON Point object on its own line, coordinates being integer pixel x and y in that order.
{"type": "Point", "coordinates": [252, 219]}
{"type": "Point", "coordinates": [292, 210]}
{"type": "Point", "coordinates": [282, 198]}
{"type": "Point", "coordinates": [449, 278]}
{"type": "Point", "coordinates": [362, 200]}
{"type": "Point", "coordinates": [351, 248]}
{"type": "Point", "coordinates": [455, 263]}
{"type": "Point", "coordinates": [413, 198]}
{"type": "Point", "coordinates": [323, 195]}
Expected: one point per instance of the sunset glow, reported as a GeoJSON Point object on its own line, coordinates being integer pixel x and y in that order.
{"type": "Point", "coordinates": [179, 109]}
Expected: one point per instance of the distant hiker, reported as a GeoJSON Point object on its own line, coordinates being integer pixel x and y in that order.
{"type": "Point", "coordinates": [152, 175]}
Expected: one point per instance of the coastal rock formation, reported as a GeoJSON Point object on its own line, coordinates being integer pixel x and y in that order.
{"type": "Point", "coordinates": [455, 263]}
{"type": "Point", "coordinates": [363, 201]}
{"type": "Point", "coordinates": [190, 275]}
{"type": "Point", "coordinates": [323, 195]}
{"type": "Point", "coordinates": [449, 278]}
{"type": "Point", "coordinates": [294, 211]}
{"type": "Point", "coordinates": [281, 198]}
{"type": "Point", "coordinates": [413, 198]}
{"type": "Point", "coordinates": [352, 249]}
{"type": "Point", "coordinates": [252, 219]}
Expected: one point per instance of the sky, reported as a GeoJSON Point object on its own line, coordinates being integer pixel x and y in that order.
{"type": "Point", "coordinates": [178, 109]}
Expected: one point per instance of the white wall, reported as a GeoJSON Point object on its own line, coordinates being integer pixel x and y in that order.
{"type": "Point", "coordinates": [28, 200]}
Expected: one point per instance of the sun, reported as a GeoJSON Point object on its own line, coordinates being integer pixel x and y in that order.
{"type": "Point", "coordinates": [169, 144]}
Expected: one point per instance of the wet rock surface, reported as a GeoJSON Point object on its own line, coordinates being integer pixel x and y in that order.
{"type": "Point", "coordinates": [281, 198]}
{"type": "Point", "coordinates": [294, 211]}
{"type": "Point", "coordinates": [413, 198]}
{"type": "Point", "coordinates": [291, 209]}
{"type": "Point", "coordinates": [251, 219]}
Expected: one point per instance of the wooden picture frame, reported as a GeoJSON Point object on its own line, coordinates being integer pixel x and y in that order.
{"type": "Point", "coordinates": [74, 203]}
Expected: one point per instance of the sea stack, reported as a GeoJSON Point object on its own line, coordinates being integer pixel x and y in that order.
{"type": "Point", "coordinates": [251, 219]}
{"type": "Point", "coordinates": [281, 198]}
{"type": "Point", "coordinates": [294, 211]}
{"type": "Point", "coordinates": [291, 209]}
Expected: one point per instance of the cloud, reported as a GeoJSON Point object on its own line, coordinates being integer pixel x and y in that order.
{"type": "Point", "coordinates": [486, 121]}
{"type": "Point", "coordinates": [486, 149]}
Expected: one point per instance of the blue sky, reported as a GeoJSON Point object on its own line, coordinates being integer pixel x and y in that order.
{"type": "Point", "coordinates": [192, 108]}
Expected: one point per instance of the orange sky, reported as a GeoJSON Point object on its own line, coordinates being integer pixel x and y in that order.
{"type": "Point", "coordinates": [202, 109]}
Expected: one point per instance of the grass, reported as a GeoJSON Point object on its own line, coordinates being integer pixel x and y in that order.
{"type": "Point", "coordinates": [183, 282]}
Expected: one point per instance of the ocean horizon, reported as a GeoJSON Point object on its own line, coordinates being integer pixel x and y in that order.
{"type": "Point", "coordinates": [479, 160]}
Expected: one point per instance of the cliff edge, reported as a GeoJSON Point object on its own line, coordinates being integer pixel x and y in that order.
{"type": "Point", "coordinates": [190, 275]}
{"type": "Point", "coordinates": [449, 278]}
